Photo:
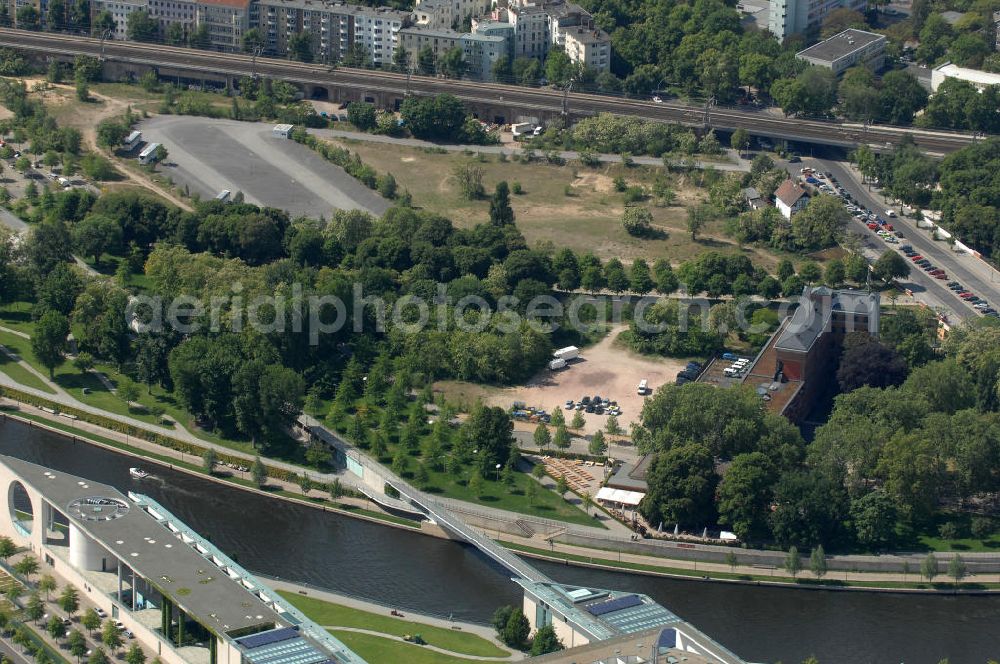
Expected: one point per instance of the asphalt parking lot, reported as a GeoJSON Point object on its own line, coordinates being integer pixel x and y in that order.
{"type": "Point", "coordinates": [209, 155]}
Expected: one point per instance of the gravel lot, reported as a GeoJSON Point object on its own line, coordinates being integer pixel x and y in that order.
{"type": "Point", "coordinates": [210, 155]}
{"type": "Point", "coordinates": [606, 369]}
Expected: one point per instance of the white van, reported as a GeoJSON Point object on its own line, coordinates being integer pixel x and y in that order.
{"type": "Point", "coordinates": [730, 372]}
{"type": "Point", "coordinates": [643, 386]}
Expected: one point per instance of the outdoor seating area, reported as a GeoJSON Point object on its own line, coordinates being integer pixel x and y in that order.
{"type": "Point", "coordinates": [581, 476]}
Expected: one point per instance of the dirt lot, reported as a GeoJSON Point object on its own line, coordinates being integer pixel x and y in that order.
{"type": "Point", "coordinates": [607, 369]}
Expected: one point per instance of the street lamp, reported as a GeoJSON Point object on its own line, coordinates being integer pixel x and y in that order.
{"type": "Point", "coordinates": [498, 472]}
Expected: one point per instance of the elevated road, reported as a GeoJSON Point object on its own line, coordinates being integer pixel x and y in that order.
{"type": "Point", "coordinates": [490, 99]}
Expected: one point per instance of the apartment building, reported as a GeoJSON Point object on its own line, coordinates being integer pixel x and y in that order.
{"type": "Point", "coordinates": [448, 14]}
{"type": "Point", "coordinates": [333, 27]}
{"type": "Point", "coordinates": [168, 12]}
{"type": "Point", "coordinates": [227, 21]}
{"type": "Point", "coordinates": [119, 10]}
{"type": "Point", "coordinates": [589, 47]}
{"type": "Point", "coordinates": [791, 17]}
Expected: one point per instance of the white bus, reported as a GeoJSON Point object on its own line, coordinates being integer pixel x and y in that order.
{"type": "Point", "coordinates": [148, 154]}
{"type": "Point", "coordinates": [132, 141]}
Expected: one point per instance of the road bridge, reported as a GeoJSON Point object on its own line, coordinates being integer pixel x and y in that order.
{"type": "Point", "coordinates": [491, 101]}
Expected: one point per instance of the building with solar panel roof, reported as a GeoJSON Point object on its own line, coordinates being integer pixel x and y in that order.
{"type": "Point", "coordinates": [589, 619]}
{"type": "Point", "coordinates": [182, 599]}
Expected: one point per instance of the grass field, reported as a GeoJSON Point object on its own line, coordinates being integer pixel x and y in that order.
{"type": "Point", "coordinates": [378, 649]}
{"type": "Point", "coordinates": [329, 614]}
{"type": "Point", "coordinates": [22, 375]}
{"type": "Point", "coordinates": [587, 220]}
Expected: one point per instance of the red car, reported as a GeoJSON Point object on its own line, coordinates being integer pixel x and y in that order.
{"type": "Point", "coordinates": [965, 295]}
{"type": "Point", "coordinates": [889, 227]}
{"type": "Point", "coordinates": [916, 258]}
{"type": "Point", "coordinates": [872, 226]}
{"type": "Point", "coordinates": [941, 276]}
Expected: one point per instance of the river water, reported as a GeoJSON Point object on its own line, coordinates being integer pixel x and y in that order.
{"type": "Point", "coordinates": [420, 573]}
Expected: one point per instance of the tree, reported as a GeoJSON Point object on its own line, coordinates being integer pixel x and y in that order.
{"type": "Point", "coordinates": [56, 628]}
{"type": "Point", "coordinates": [490, 429]}
{"type": "Point", "coordinates": [361, 115]}
{"type": "Point", "coordinates": [793, 561]}
{"type": "Point", "coordinates": [440, 117]}
{"type": "Point", "coordinates": [615, 277]}
{"type": "Point", "coordinates": [891, 266]}
{"type": "Point", "coordinates": [501, 213]}
{"type": "Point", "coordinates": [682, 484]}
{"type": "Point", "coordinates": [817, 562]}
{"type": "Point", "coordinates": [470, 181]}
{"type": "Point", "coordinates": [929, 567]}
{"type": "Point", "coordinates": [161, 153]}
{"type": "Point", "coordinates": [34, 609]}
{"type": "Point", "coordinates": [28, 18]}
{"type": "Point", "coordinates": [612, 426]}
{"type": "Point", "coordinates": [77, 644]}
{"type": "Point", "coordinates": [300, 47]}
{"type": "Point", "coordinates": [956, 568]}
{"type": "Point", "coordinates": [128, 391]}
{"type": "Point", "coordinates": [597, 445]}
{"type": "Point", "coordinates": [740, 140]}
{"type": "Point", "coordinates": [515, 632]}
{"type": "Point", "coordinates": [26, 566]}
{"type": "Point", "coordinates": [865, 361]}
{"type": "Point", "coordinates": [835, 272]}
{"type": "Point", "coordinates": [561, 486]}
{"type": "Point", "coordinates": [208, 460]}
{"type": "Point", "coordinates": [97, 234]}
{"type": "Point", "coordinates": [69, 600]}
{"type": "Point", "coordinates": [640, 279]}
{"type": "Point", "coordinates": [561, 439]}
{"type": "Point", "coordinates": [744, 496]}
{"type": "Point", "coordinates": [637, 221]}
{"type": "Point", "coordinates": [697, 216]}
{"type": "Point", "coordinates": [545, 641]}
{"type": "Point", "coordinates": [7, 547]}
{"type": "Point", "coordinates": [47, 584]}
{"type": "Point", "coordinates": [426, 60]}
{"type": "Point", "coordinates": [253, 39]}
{"type": "Point", "coordinates": [258, 471]}
{"type": "Point", "coordinates": [531, 492]}
{"type": "Point", "coordinates": [98, 657]}
{"type": "Point", "coordinates": [306, 484]}
{"type": "Point", "coordinates": [874, 519]}
{"type": "Point", "coordinates": [111, 636]}
{"type": "Point", "coordinates": [90, 620]}
{"type": "Point", "coordinates": [542, 436]}
{"type": "Point", "coordinates": [663, 274]}
{"type": "Point", "coordinates": [142, 27]}
{"type": "Point", "coordinates": [500, 618]}
{"type": "Point", "coordinates": [476, 485]}
{"type": "Point", "coordinates": [821, 224]}
{"type": "Point", "coordinates": [135, 655]}
{"type": "Point", "coordinates": [578, 421]}
{"type": "Point", "coordinates": [452, 63]}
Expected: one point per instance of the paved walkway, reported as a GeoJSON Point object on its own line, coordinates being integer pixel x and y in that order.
{"type": "Point", "coordinates": [737, 164]}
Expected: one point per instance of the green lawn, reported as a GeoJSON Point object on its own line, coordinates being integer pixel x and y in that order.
{"type": "Point", "coordinates": [17, 316]}
{"type": "Point", "coordinates": [377, 649]}
{"type": "Point", "coordinates": [328, 614]}
{"type": "Point", "coordinates": [22, 375]}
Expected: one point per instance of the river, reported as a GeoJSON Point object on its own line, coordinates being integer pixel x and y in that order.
{"type": "Point", "coordinates": [426, 574]}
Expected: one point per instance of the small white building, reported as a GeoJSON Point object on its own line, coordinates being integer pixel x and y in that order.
{"type": "Point", "coordinates": [847, 49]}
{"type": "Point", "coordinates": [282, 131]}
{"type": "Point", "coordinates": [980, 79]}
{"type": "Point", "coordinates": [790, 198]}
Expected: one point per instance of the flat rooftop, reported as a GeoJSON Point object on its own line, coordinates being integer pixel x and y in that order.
{"type": "Point", "coordinates": [971, 75]}
{"type": "Point", "coordinates": [155, 553]}
{"type": "Point", "coordinates": [840, 45]}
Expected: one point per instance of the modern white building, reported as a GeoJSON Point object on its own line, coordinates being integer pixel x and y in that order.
{"type": "Point", "coordinates": [980, 79]}
{"type": "Point", "coordinates": [182, 598]}
{"type": "Point", "coordinates": [792, 17]}
{"type": "Point", "coordinates": [847, 49]}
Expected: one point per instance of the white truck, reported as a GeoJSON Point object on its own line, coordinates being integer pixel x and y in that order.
{"type": "Point", "coordinates": [520, 129]}
{"type": "Point", "coordinates": [567, 353]}
{"type": "Point", "coordinates": [557, 364]}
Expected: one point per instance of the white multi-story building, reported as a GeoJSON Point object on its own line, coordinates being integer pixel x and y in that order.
{"type": "Point", "coordinates": [791, 17]}
{"type": "Point", "coordinates": [590, 47]}
{"type": "Point", "coordinates": [448, 14]}
{"type": "Point", "coordinates": [226, 20]}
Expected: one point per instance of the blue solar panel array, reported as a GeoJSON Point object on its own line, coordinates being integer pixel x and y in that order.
{"type": "Point", "coordinates": [626, 602]}
{"type": "Point", "coordinates": [266, 638]}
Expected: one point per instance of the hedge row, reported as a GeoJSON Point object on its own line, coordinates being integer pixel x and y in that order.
{"type": "Point", "coordinates": [350, 162]}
